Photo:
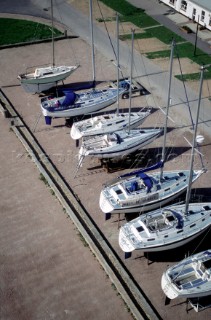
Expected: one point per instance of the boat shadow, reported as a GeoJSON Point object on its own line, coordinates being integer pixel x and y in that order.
{"type": "Point", "coordinates": [74, 86]}
{"type": "Point", "coordinates": [143, 158]}
{"type": "Point", "coordinates": [199, 244]}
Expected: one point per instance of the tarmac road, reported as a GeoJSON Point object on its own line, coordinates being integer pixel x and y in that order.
{"type": "Point", "coordinates": [27, 7]}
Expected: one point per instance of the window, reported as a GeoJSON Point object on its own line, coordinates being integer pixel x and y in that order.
{"type": "Point", "coordinates": [140, 229]}
{"type": "Point", "coordinates": [184, 5]}
{"type": "Point", "coordinates": [194, 14]}
{"type": "Point", "coordinates": [171, 2]}
{"type": "Point", "coordinates": [210, 21]}
{"type": "Point", "coordinates": [202, 15]}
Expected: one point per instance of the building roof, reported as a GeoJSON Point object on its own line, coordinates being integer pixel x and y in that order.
{"type": "Point", "coordinates": [206, 4]}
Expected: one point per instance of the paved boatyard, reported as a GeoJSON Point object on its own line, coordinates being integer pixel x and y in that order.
{"type": "Point", "coordinates": [59, 147]}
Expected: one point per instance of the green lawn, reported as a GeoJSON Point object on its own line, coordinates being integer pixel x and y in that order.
{"type": "Point", "coordinates": [139, 18]}
{"type": "Point", "coordinates": [15, 31]}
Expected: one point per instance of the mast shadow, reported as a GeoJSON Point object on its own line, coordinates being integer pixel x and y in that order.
{"type": "Point", "coordinates": [74, 86]}
{"type": "Point", "coordinates": [199, 244]}
{"type": "Point", "coordinates": [144, 158]}
{"type": "Point", "coordinates": [11, 86]}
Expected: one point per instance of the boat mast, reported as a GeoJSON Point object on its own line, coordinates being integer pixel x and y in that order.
{"type": "Point", "coordinates": [117, 52]}
{"type": "Point", "coordinates": [131, 76]}
{"type": "Point", "coordinates": [92, 41]}
{"type": "Point", "coordinates": [194, 142]}
{"type": "Point", "coordinates": [52, 35]}
{"type": "Point", "coordinates": [167, 109]}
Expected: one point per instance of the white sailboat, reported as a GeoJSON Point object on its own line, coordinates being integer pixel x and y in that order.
{"type": "Point", "coordinates": [165, 229]}
{"type": "Point", "coordinates": [39, 79]}
{"type": "Point", "coordinates": [72, 104]}
{"type": "Point", "coordinates": [119, 143]}
{"type": "Point", "coordinates": [169, 227]}
{"type": "Point", "coordinates": [190, 278]}
{"type": "Point", "coordinates": [140, 192]}
{"type": "Point", "coordinates": [107, 123]}
{"type": "Point", "coordinates": [110, 122]}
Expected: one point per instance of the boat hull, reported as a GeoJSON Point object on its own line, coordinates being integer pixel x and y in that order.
{"type": "Point", "coordinates": [52, 74]}
{"type": "Point", "coordinates": [95, 126]}
{"type": "Point", "coordinates": [37, 88]}
{"type": "Point", "coordinates": [85, 103]}
{"type": "Point", "coordinates": [146, 239]}
{"type": "Point", "coordinates": [186, 280]}
{"type": "Point", "coordinates": [34, 84]}
{"type": "Point", "coordinates": [68, 113]}
{"type": "Point", "coordinates": [166, 247]}
{"type": "Point", "coordinates": [150, 202]}
{"type": "Point", "coordinates": [121, 149]}
{"type": "Point", "coordinates": [172, 294]}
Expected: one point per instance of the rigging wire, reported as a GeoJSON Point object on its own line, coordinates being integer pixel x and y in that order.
{"type": "Point", "coordinates": [193, 252]}
{"type": "Point", "coordinates": [109, 37]}
{"type": "Point", "coordinates": [64, 26]}
{"type": "Point", "coordinates": [183, 82]}
{"type": "Point", "coordinates": [205, 235]}
{"type": "Point", "coordinates": [106, 29]}
{"type": "Point", "coordinates": [139, 156]}
{"type": "Point", "coordinates": [142, 58]}
{"type": "Point", "coordinates": [197, 144]}
{"type": "Point", "coordinates": [145, 70]}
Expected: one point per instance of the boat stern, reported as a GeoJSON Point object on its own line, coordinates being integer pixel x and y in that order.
{"type": "Point", "coordinates": [105, 204]}
{"type": "Point", "coordinates": [124, 242]}
{"type": "Point", "coordinates": [168, 287]}
{"type": "Point", "coordinates": [75, 133]}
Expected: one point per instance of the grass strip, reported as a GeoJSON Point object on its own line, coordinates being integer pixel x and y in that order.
{"type": "Point", "coordinates": [160, 32]}
{"type": "Point", "coordinates": [16, 30]}
{"type": "Point", "coordinates": [139, 18]}
{"type": "Point", "coordinates": [129, 13]}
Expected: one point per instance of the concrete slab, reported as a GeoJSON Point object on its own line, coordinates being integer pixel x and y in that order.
{"type": "Point", "coordinates": [178, 18]}
{"type": "Point", "coordinates": [205, 34]}
{"type": "Point", "coordinates": [202, 34]}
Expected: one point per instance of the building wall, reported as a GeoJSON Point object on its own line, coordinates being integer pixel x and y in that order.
{"type": "Point", "coordinates": [191, 11]}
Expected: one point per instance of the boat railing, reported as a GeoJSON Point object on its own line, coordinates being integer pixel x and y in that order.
{"type": "Point", "coordinates": [32, 69]}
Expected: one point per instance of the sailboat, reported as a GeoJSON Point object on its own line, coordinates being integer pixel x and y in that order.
{"type": "Point", "coordinates": [172, 226]}
{"type": "Point", "coordinates": [138, 191]}
{"type": "Point", "coordinates": [110, 122]}
{"type": "Point", "coordinates": [141, 192]}
{"type": "Point", "coordinates": [190, 278]}
{"type": "Point", "coordinates": [72, 104]}
{"type": "Point", "coordinates": [39, 79]}
{"type": "Point", "coordinates": [119, 143]}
